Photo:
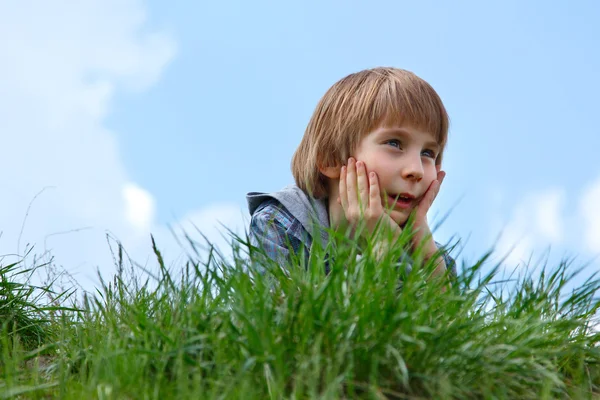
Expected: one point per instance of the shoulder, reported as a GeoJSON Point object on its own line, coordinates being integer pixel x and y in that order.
{"type": "Point", "coordinates": [272, 218]}
{"type": "Point", "coordinates": [275, 229]}
{"type": "Point", "coordinates": [270, 212]}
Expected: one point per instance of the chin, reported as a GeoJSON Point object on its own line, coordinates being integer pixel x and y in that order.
{"type": "Point", "coordinates": [399, 217]}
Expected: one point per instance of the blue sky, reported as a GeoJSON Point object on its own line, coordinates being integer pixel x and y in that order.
{"type": "Point", "coordinates": [198, 103]}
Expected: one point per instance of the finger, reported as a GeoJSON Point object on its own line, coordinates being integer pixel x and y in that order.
{"type": "Point", "coordinates": [362, 185]}
{"type": "Point", "coordinates": [351, 185]}
{"type": "Point", "coordinates": [440, 176]}
{"type": "Point", "coordinates": [343, 194]}
{"type": "Point", "coordinates": [374, 211]}
{"type": "Point", "coordinates": [438, 184]}
{"type": "Point", "coordinates": [428, 198]}
{"type": "Point", "coordinates": [374, 195]}
{"type": "Point", "coordinates": [431, 194]}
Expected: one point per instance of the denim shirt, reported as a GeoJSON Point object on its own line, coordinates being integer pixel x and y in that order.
{"type": "Point", "coordinates": [272, 227]}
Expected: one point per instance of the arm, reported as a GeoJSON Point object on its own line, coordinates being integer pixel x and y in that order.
{"type": "Point", "coordinates": [443, 262]}
{"type": "Point", "coordinates": [276, 231]}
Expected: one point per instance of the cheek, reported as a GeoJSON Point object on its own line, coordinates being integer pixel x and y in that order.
{"type": "Point", "coordinates": [377, 165]}
{"type": "Point", "coordinates": [430, 175]}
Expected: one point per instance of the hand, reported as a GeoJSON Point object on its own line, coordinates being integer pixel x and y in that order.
{"type": "Point", "coordinates": [423, 235]}
{"type": "Point", "coordinates": [421, 227]}
{"type": "Point", "coordinates": [360, 197]}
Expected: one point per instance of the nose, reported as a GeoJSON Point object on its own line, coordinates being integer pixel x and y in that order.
{"type": "Point", "coordinates": [413, 169]}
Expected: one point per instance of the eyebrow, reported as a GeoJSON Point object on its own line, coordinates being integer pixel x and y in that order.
{"type": "Point", "coordinates": [404, 132]}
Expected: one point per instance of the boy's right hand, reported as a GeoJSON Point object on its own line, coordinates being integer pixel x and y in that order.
{"type": "Point", "coordinates": [360, 197]}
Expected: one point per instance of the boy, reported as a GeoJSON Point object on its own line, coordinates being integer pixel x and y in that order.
{"type": "Point", "coordinates": [371, 155]}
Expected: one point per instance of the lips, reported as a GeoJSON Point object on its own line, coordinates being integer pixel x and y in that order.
{"type": "Point", "coordinates": [402, 200]}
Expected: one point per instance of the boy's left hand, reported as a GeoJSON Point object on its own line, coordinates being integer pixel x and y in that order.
{"type": "Point", "coordinates": [421, 227]}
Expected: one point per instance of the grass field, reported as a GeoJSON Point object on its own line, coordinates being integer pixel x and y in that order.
{"type": "Point", "coordinates": [211, 329]}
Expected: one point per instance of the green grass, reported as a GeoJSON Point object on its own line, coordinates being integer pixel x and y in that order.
{"type": "Point", "coordinates": [213, 330]}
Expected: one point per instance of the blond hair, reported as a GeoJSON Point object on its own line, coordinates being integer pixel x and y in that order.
{"type": "Point", "coordinates": [355, 106]}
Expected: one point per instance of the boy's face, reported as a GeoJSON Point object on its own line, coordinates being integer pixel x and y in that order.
{"type": "Point", "coordinates": [404, 159]}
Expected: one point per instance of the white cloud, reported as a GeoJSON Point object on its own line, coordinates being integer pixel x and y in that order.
{"type": "Point", "coordinates": [61, 68]}
{"type": "Point", "coordinates": [590, 216]}
{"type": "Point", "coordinates": [213, 220]}
{"type": "Point", "coordinates": [535, 221]}
{"type": "Point", "coordinates": [209, 223]}
{"type": "Point", "coordinates": [139, 207]}
{"type": "Point", "coordinates": [541, 220]}
{"type": "Point", "coordinates": [62, 63]}
{"type": "Point", "coordinates": [546, 209]}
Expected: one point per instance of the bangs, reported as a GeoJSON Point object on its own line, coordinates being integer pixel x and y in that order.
{"type": "Point", "coordinates": [411, 102]}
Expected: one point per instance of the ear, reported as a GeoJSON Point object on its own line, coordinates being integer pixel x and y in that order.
{"type": "Point", "coordinates": [330, 172]}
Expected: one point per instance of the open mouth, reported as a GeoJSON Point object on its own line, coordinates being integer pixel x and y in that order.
{"type": "Point", "coordinates": [401, 200]}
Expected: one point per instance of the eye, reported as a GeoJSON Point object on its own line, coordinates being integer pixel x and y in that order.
{"type": "Point", "coordinates": [429, 153]}
{"type": "Point", "coordinates": [394, 143]}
